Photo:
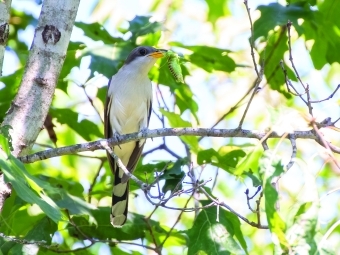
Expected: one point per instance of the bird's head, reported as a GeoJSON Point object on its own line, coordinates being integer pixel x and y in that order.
{"type": "Point", "coordinates": [143, 58]}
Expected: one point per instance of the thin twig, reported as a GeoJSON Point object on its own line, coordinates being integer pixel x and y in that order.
{"type": "Point", "coordinates": [331, 96]}
{"type": "Point", "coordinates": [92, 104]}
{"type": "Point", "coordinates": [228, 208]}
{"type": "Point", "coordinates": [86, 237]}
{"type": "Point", "coordinates": [94, 180]}
{"type": "Point", "coordinates": [289, 25]}
{"type": "Point", "coordinates": [251, 37]}
{"type": "Point", "coordinates": [158, 249]}
{"type": "Point", "coordinates": [162, 146]}
{"type": "Point", "coordinates": [177, 220]}
{"type": "Point", "coordinates": [251, 197]}
{"type": "Point", "coordinates": [121, 166]}
{"type": "Point", "coordinates": [258, 212]}
{"type": "Point", "coordinates": [257, 84]}
{"type": "Point", "coordinates": [324, 142]}
{"type": "Point", "coordinates": [290, 85]}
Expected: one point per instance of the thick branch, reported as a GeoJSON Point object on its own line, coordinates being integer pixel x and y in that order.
{"type": "Point", "coordinates": [5, 7]}
{"type": "Point", "coordinates": [92, 146]}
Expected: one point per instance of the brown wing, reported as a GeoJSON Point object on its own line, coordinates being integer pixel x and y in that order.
{"type": "Point", "coordinates": [108, 128]}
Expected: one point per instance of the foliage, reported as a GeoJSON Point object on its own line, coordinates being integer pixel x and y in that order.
{"type": "Point", "coordinates": [63, 204]}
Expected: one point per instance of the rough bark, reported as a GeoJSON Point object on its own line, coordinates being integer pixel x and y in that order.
{"type": "Point", "coordinates": [28, 110]}
{"type": "Point", "coordinates": [5, 8]}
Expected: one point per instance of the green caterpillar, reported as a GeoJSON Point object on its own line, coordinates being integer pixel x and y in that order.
{"type": "Point", "coordinates": [174, 66]}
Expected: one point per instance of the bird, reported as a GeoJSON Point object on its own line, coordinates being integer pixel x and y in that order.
{"type": "Point", "coordinates": [127, 110]}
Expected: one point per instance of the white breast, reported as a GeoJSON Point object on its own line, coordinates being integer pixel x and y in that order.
{"type": "Point", "coordinates": [131, 94]}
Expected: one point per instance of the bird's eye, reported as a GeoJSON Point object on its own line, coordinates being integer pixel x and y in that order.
{"type": "Point", "coordinates": [142, 51]}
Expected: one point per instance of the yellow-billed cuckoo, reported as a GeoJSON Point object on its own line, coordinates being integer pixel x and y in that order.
{"type": "Point", "coordinates": [128, 110]}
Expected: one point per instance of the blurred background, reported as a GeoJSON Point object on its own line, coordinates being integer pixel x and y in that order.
{"type": "Point", "coordinates": [215, 94]}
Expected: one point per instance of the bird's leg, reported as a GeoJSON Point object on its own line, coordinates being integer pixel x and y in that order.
{"type": "Point", "coordinates": [116, 136]}
{"type": "Point", "coordinates": [144, 131]}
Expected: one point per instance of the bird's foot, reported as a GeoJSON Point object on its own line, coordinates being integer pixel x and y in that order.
{"type": "Point", "coordinates": [144, 131]}
{"type": "Point", "coordinates": [116, 136]}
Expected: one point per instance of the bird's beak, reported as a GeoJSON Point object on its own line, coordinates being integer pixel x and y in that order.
{"type": "Point", "coordinates": [157, 54]}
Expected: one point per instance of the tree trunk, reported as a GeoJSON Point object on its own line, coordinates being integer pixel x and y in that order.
{"type": "Point", "coordinates": [4, 29]}
{"type": "Point", "coordinates": [28, 110]}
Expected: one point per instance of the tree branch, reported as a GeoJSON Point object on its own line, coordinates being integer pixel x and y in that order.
{"type": "Point", "coordinates": [145, 134]}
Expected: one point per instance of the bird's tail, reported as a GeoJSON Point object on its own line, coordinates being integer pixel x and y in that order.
{"type": "Point", "coordinates": [120, 195]}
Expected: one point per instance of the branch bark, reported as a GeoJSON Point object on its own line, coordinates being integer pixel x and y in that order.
{"type": "Point", "coordinates": [97, 145]}
{"type": "Point", "coordinates": [5, 8]}
{"type": "Point", "coordinates": [29, 109]}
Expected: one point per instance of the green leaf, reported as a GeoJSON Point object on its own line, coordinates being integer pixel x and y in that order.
{"type": "Point", "coordinates": [8, 93]}
{"type": "Point", "coordinates": [302, 234]}
{"type": "Point", "coordinates": [275, 14]}
{"type": "Point", "coordinates": [40, 232]}
{"type": "Point", "coordinates": [323, 29]}
{"type": "Point", "coordinates": [330, 11]}
{"type": "Point", "coordinates": [175, 120]}
{"type": "Point", "coordinates": [227, 157]}
{"type": "Point", "coordinates": [255, 179]}
{"type": "Point", "coordinates": [150, 39]}
{"type": "Point", "coordinates": [146, 172]}
{"type": "Point", "coordinates": [319, 25]}
{"type": "Point", "coordinates": [4, 130]}
{"type": "Point", "coordinates": [97, 32]}
{"type": "Point", "coordinates": [133, 229]}
{"type": "Point", "coordinates": [84, 128]}
{"type": "Point", "coordinates": [16, 217]}
{"type": "Point", "coordinates": [272, 54]}
{"type": "Point", "coordinates": [270, 170]}
{"type": "Point", "coordinates": [71, 60]}
{"type": "Point", "coordinates": [107, 59]}
{"type": "Point", "coordinates": [74, 204]}
{"type": "Point", "coordinates": [184, 100]}
{"type": "Point", "coordinates": [173, 176]}
{"type": "Point", "coordinates": [306, 3]}
{"type": "Point", "coordinates": [183, 93]}
{"type": "Point", "coordinates": [209, 236]}
{"type": "Point", "coordinates": [209, 58]}
{"type": "Point", "coordinates": [16, 174]}
{"type": "Point", "coordinates": [141, 25]}
{"type": "Point", "coordinates": [117, 251]}
{"type": "Point", "coordinates": [217, 9]}
{"type": "Point", "coordinates": [250, 161]}
{"type": "Point", "coordinates": [303, 208]}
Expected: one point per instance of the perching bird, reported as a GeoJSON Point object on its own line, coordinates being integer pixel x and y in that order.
{"type": "Point", "coordinates": [128, 110]}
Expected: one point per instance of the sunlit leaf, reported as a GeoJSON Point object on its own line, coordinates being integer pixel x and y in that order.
{"type": "Point", "coordinates": [84, 128]}
{"type": "Point", "coordinates": [40, 231]}
{"type": "Point", "coordinates": [217, 9]}
{"type": "Point", "coordinates": [212, 235]}
{"type": "Point", "coordinates": [227, 157]}
{"type": "Point", "coordinates": [209, 58]}
{"type": "Point", "coordinates": [271, 169]}
{"type": "Point", "coordinates": [16, 174]}
{"type": "Point", "coordinates": [175, 120]}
